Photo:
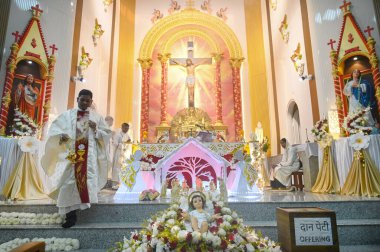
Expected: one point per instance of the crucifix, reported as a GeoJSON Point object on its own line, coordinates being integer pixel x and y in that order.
{"type": "Point", "coordinates": [190, 63]}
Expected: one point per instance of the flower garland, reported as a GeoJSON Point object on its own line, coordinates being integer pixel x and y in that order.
{"type": "Point", "coordinates": [16, 218]}
{"type": "Point", "coordinates": [356, 122]}
{"type": "Point", "coordinates": [52, 244]}
{"type": "Point", "coordinates": [168, 231]}
{"type": "Point", "coordinates": [320, 132]}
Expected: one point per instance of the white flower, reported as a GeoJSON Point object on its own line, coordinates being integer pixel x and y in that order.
{"type": "Point", "coordinates": [182, 235]}
{"type": "Point", "coordinates": [171, 214]}
{"type": "Point", "coordinates": [250, 247]}
{"type": "Point", "coordinates": [170, 222]}
{"type": "Point", "coordinates": [28, 144]}
{"type": "Point", "coordinates": [222, 232]}
{"type": "Point", "coordinates": [359, 141]}
{"type": "Point", "coordinates": [226, 210]}
{"type": "Point", "coordinates": [175, 229]}
{"type": "Point", "coordinates": [216, 241]}
{"type": "Point", "coordinates": [197, 236]}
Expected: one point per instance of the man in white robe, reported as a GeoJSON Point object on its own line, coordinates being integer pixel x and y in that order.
{"type": "Point", "coordinates": [119, 141]}
{"type": "Point", "coordinates": [281, 174]}
{"type": "Point", "coordinates": [76, 155]}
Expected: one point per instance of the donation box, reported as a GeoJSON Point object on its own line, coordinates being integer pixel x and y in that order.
{"type": "Point", "coordinates": [307, 229]}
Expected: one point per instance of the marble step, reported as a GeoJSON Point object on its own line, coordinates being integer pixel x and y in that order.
{"type": "Point", "coordinates": [105, 235]}
{"type": "Point", "coordinates": [257, 211]}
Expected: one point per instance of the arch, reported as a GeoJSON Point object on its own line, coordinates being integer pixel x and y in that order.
{"type": "Point", "coordinates": [294, 123]}
{"type": "Point", "coordinates": [192, 17]}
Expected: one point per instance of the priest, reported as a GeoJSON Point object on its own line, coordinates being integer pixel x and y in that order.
{"type": "Point", "coordinates": [76, 155]}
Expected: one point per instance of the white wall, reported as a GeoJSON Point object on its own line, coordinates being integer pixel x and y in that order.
{"type": "Point", "coordinates": [57, 22]}
{"type": "Point", "coordinates": [288, 86]}
{"type": "Point", "coordinates": [236, 21]}
{"type": "Point", "coordinates": [97, 74]}
{"type": "Point", "coordinates": [325, 19]}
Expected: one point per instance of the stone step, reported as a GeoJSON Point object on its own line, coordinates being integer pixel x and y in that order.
{"type": "Point", "coordinates": [105, 235]}
{"type": "Point", "coordinates": [257, 211]}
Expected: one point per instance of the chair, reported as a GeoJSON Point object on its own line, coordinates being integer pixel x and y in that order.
{"type": "Point", "coordinates": [31, 247]}
{"type": "Point", "coordinates": [297, 180]}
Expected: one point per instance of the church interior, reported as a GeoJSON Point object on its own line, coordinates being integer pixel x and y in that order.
{"type": "Point", "coordinates": [189, 125]}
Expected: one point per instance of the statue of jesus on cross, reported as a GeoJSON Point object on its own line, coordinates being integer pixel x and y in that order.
{"type": "Point", "coordinates": [190, 64]}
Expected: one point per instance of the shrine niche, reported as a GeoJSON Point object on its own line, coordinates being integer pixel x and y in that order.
{"type": "Point", "coordinates": [354, 51]}
{"type": "Point", "coordinates": [28, 82]}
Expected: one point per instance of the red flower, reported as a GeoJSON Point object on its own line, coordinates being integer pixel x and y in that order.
{"type": "Point", "coordinates": [149, 237]}
{"type": "Point", "coordinates": [234, 222]}
{"type": "Point", "coordinates": [135, 237]}
{"type": "Point", "coordinates": [160, 228]}
{"type": "Point", "coordinates": [217, 209]}
{"type": "Point", "coordinates": [219, 221]}
{"type": "Point", "coordinates": [166, 240]}
{"type": "Point", "coordinates": [189, 237]}
{"type": "Point", "coordinates": [230, 236]}
{"type": "Point", "coordinates": [183, 249]}
{"type": "Point", "coordinates": [224, 244]}
{"type": "Point", "coordinates": [213, 229]}
{"type": "Point", "coordinates": [173, 244]}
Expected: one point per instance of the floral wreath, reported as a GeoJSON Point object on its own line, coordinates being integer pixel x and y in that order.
{"type": "Point", "coordinates": [196, 194]}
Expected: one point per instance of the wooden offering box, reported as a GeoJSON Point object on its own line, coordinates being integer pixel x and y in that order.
{"type": "Point", "coordinates": [307, 229]}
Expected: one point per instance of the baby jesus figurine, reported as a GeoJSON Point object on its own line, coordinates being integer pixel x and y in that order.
{"type": "Point", "coordinates": [199, 217]}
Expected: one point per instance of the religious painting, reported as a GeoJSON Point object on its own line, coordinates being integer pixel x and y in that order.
{"type": "Point", "coordinates": [26, 96]}
{"type": "Point", "coordinates": [366, 95]}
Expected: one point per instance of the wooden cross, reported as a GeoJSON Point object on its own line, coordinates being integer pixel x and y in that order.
{"type": "Point", "coordinates": [53, 49]}
{"type": "Point", "coordinates": [36, 10]}
{"type": "Point", "coordinates": [195, 61]}
{"type": "Point", "coordinates": [345, 6]}
{"type": "Point", "coordinates": [369, 30]}
{"type": "Point", "coordinates": [331, 43]}
{"type": "Point", "coordinates": [17, 35]}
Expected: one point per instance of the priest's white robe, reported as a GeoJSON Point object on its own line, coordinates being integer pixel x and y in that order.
{"type": "Point", "coordinates": [289, 164]}
{"type": "Point", "coordinates": [119, 140]}
{"type": "Point", "coordinates": [55, 163]}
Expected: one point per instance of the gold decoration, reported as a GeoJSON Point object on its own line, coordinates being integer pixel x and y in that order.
{"type": "Point", "coordinates": [72, 157]}
{"type": "Point", "coordinates": [236, 62]}
{"type": "Point", "coordinates": [273, 4]}
{"type": "Point", "coordinates": [84, 62]}
{"type": "Point", "coordinates": [196, 18]}
{"type": "Point", "coordinates": [296, 58]}
{"type": "Point", "coordinates": [338, 102]}
{"type": "Point", "coordinates": [47, 107]}
{"type": "Point", "coordinates": [97, 33]}
{"type": "Point", "coordinates": [2, 131]}
{"type": "Point", "coordinates": [163, 57]}
{"type": "Point", "coordinates": [145, 63]}
{"type": "Point", "coordinates": [284, 29]}
{"type": "Point", "coordinates": [7, 99]}
{"type": "Point", "coordinates": [377, 93]}
{"type": "Point", "coordinates": [374, 61]}
{"type": "Point", "coordinates": [217, 56]}
{"type": "Point", "coordinates": [190, 120]}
